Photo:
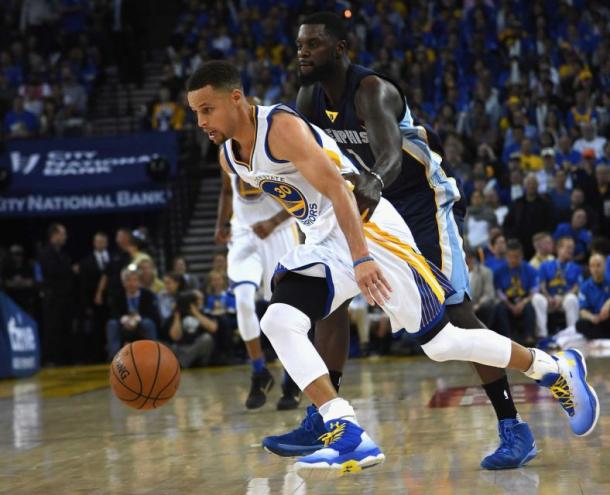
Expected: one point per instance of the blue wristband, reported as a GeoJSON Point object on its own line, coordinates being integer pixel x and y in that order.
{"type": "Point", "coordinates": [363, 260]}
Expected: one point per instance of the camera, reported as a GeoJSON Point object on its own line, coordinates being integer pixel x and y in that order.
{"type": "Point", "coordinates": [184, 301]}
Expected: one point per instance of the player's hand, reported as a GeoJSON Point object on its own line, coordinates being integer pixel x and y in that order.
{"type": "Point", "coordinates": [263, 228]}
{"type": "Point", "coordinates": [372, 283]}
{"type": "Point", "coordinates": [222, 235]}
{"type": "Point", "coordinates": [367, 190]}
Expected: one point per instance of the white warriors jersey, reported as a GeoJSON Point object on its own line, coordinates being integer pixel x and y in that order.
{"type": "Point", "coordinates": [250, 205]}
{"type": "Point", "coordinates": [281, 180]}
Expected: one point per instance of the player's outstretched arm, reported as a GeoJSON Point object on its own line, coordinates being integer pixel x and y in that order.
{"type": "Point", "coordinates": [291, 139]}
{"type": "Point", "coordinates": [225, 203]}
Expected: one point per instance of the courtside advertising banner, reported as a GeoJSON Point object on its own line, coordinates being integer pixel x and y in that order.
{"type": "Point", "coordinates": [88, 175]}
{"type": "Point", "coordinates": [19, 340]}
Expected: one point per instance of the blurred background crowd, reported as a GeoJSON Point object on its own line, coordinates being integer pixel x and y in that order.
{"type": "Point", "coordinates": [519, 92]}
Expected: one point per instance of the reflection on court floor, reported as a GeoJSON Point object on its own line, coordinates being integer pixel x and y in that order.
{"type": "Point", "coordinates": [62, 432]}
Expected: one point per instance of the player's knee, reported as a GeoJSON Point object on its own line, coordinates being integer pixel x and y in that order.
{"type": "Point", "coordinates": [446, 345]}
{"type": "Point", "coordinates": [245, 306]}
{"type": "Point", "coordinates": [281, 317]}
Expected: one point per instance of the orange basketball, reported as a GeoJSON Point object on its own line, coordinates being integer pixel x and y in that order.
{"type": "Point", "coordinates": [144, 374]}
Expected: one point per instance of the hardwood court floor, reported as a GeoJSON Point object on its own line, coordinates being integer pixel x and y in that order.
{"type": "Point", "coordinates": [62, 432]}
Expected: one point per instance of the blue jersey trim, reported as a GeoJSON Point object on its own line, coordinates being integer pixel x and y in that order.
{"type": "Point", "coordinates": [228, 158]}
{"type": "Point", "coordinates": [283, 108]}
{"type": "Point", "coordinates": [233, 284]}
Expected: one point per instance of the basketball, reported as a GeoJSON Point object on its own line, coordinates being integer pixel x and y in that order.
{"type": "Point", "coordinates": [144, 374]}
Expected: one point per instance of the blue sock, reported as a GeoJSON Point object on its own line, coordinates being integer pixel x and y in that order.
{"type": "Point", "coordinates": [258, 365]}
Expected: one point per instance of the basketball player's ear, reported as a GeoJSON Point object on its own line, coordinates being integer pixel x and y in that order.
{"type": "Point", "coordinates": [340, 48]}
{"type": "Point", "coordinates": [236, 96]}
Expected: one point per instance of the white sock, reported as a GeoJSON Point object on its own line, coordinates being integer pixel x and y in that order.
{"type": "Point", "coordinates": [337, 409]}
{"type": "Point", "coordinates": [542, 364]}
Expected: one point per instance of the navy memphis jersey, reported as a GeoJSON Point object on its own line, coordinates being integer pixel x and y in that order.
{"type": "Point", "coordinates": [423, 176]}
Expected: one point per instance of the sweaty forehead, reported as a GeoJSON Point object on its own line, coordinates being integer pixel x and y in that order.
{"type": "Point", "coordinates": [312, 31]}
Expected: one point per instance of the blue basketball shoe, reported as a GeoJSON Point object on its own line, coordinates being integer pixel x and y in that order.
{"type": "Point", "coordinates": [303, 440]}
{"type": "Point", "coordinates": [517, 446]}
{"type": "Point", "coordinates": [347, 449]}
{"type": "Point", "coordinates": [575, 395]}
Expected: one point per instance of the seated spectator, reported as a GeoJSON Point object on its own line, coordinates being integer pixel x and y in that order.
{"type": "Point", "coordinates": [565, 156]}
{"type": "Point", "coordinates": [479, 219]}
{"type": "Point", "coordinates": [543, 244]}
{"type": "Point", "coordinates": [530, 160]}
{"type": "Point", "coordinates": [190, 331]}
{"type": "Point", "coordinates": [558, 285]}
{"type": "Point", "coordinates": [17, 278]}
{"type": "Point", "coordinates": [560, 195]}
{"type": "Point", "coordinates": [594, 298]}
{"type": "Point", "coordinates": [179, 267]}
{"type": "Point", "coordinates": [167, 114]}
{"type": "Point", "coordinates": [529, 215]}
{"type": "Point", "coordinates": [148, 276]}
{"type": "Point", "coordinates": [483, 293]}
{"type": "Point", "coordinates": [134, 314]}
{"type": "Point", "coordinates": [497, 248]}
{"type": "Point", "coordinates": [577, 231]}
{"type": "Point", "coordinates": [220, 303]}
{"type": "Point", "coordinates": [18, 122]}
{"type": "Point", "coordinates": [589, 140]}
{"type": "Point", "coordinates": [173, 284]}
{"type": "Point", "coordinates": [516, 282]}
{"type": "Point", "coordinates": [492, 199]}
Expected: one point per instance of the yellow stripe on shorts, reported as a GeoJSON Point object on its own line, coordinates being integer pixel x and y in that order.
{"type": "Point", "coordinates": [406, 253]}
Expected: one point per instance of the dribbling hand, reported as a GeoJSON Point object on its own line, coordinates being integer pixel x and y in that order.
{"type": "Point", "coordinates": [372, 283]}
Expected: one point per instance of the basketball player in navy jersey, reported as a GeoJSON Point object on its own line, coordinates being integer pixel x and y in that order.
{"type": "Point", "coordinates": [367, 115]}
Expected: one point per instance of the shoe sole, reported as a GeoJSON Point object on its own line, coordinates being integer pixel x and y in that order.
{"type": "Point", "coordinates": [531, 455]}
{"type": "Point", "coordinates": [266, 390]}
{"type": "Point", "coordinates": [302, 453]}
{"type": "Point", "coordinates": [582, 366]}
{"type": "Point", "coordinates": [323, 471]}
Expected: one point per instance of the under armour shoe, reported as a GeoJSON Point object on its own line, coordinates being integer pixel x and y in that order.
{"type": "Point", "coordinates": [575, 395]}
{"type": "Point", "coordinates": [301, 441]}
{"type": "Point", "coordinates": [290, 399]}
{"type": "Point", "coordinates": [261, 383]}
{"type": "Point", "coordinates": [347, 449]}
{"type": "Point", "coordinates": [517, 446]}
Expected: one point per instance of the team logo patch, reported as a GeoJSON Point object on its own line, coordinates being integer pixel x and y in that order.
{"type": "Point", "coordinates": [288, 196]}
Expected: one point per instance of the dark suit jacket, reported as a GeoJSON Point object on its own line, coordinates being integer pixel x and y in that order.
{"type": "Point", "coordinates": [57, 273]}
{"type": "Point", "coordinates": [89, 278]}
{"type": "Point", "coordinates": [148, 308]}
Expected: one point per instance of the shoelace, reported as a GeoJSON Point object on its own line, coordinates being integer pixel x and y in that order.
{"type": "Point", "coordinates": [507, 436]}
{"type": "Point", "coordinates": [561, 391]}
{"type": "Point", "coordinates": [307, 423]}
{"type": "Point", "coordinates": [335, 434]}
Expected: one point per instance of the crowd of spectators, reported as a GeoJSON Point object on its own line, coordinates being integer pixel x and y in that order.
{"type": "Point", "coordinates": [52, 58]}
{"type": "Point", "coordinates": [519, 92]}
{"type": "Point", "coordinates": [89, 309]}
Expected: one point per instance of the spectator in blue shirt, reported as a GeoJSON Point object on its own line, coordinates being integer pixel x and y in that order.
{"type": "Point", "coordinates": [559, 281]}
{"type": "Point", "coordinates": [516, 282]}
{"type": "Point", "coordinates": [577, 231]}
{"type": "Point", "coordinates": [220, 303]}
{"type": "Point", "coordinates": [594, 298]}
{"type": "Point", "coordinates": [18, 122]}
{"type": "Point", "coordinates": [497, 257]}
{"type": "Point", "coordinates": [565, 156]}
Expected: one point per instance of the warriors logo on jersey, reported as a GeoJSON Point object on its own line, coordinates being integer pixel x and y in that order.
{"type": "Point", "coordinates": [288, 196]}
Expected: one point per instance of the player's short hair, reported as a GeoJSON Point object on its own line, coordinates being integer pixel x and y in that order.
{"type": "Point", "coordinates": [333, 24]}
{"type": "Point", "coordinates": [216, 73]}
{"type": "Point", "coordinates": [514, 245]}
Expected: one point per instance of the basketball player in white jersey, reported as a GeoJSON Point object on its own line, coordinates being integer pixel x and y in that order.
{"type": "Point", "coordinates": [274, 149]}
{"type": "Point", "coordinates": [259, 232]}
